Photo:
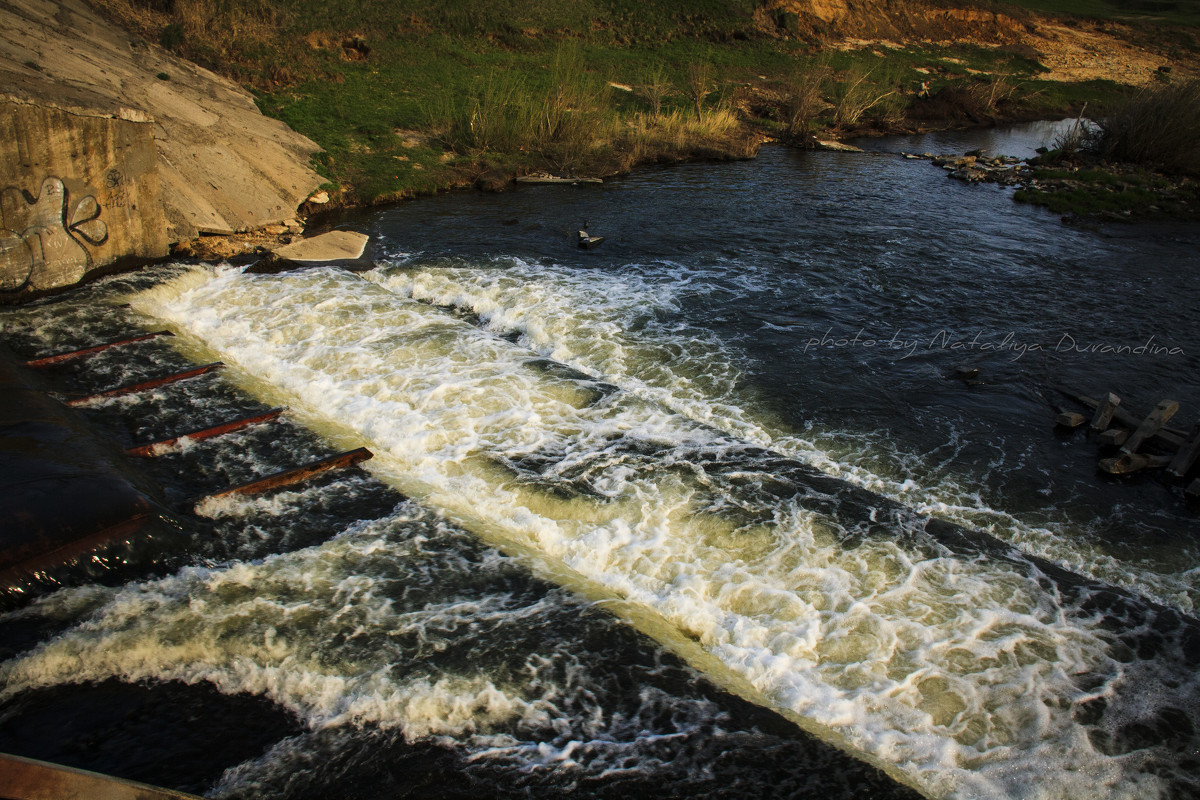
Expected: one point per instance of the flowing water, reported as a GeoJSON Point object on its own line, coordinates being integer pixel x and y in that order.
{"type": "Point", "coordinates": [717, 427]}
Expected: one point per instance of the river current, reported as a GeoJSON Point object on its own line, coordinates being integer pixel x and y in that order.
{"type": "Point", "coordinates": [651, 517]}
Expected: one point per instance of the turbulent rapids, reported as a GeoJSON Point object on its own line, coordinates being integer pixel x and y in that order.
{"type": "Point", "coordinates": [968, 669]}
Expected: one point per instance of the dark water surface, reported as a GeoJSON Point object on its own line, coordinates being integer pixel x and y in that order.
{"type": "Point", "coordinates": [560, 434]}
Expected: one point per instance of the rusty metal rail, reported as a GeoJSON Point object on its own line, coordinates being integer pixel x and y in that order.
{"type": "Point", "coordinates": [47, 361]}
{"type": "Point", "coordinates": [153, 383]}
{"type": "Point", "coordinates": [291, 476]}
{"type": "Point", "coordinates": [148, 450]}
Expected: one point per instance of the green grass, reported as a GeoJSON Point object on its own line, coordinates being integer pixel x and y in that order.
{"type": "Point", "coordinates": [1105, 190]}
{"type": "Point", "coordinates": [430, 64]}
{"type": "Point", "coordinates": [1132, 203]}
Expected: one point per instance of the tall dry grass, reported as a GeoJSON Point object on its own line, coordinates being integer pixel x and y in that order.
{"type": "Point", "coordinates": [861, 90]}
{"type": "Point", "coordinates": [678, 134]}
{"type": "Point", "coordinates": [1157, 127]}
{"type": "Point", "coordinates": [563, 121]}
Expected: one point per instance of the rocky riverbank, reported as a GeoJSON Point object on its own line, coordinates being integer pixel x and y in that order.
{"type": "Point", "coordinates": [120, 149]}
{"type": "Point", "coordinates": [1079, 186]}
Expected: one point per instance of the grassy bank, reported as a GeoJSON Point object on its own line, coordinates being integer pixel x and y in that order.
{"type": "Point", "coordinates": [413, 96]}
{"type": "Point", "coordinates": [1142, 159]}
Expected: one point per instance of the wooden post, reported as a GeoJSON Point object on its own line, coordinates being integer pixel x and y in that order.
{"type": "Point", "coordinates": [1126, 463]}
{"type": "Point", "coordinates": [1170, 436]}
{"type": "Point", "coordinates": [1070, 419]}
{"type": "Point", "coordinates": [1105, 411]}
{"type": "Point", "coordinates": [1150, 425]}
{"type": "Point", "coordinates": [47, 361]}
{"type": "Point", "coordinates": [205, 433]}
{"type": "Point", "coordinates": [1114, 437]}
{"type": "Point", "coordinates": [1186, 456]}
{"type": "Point", "coordinates": [154, 383]}
{"type": "Point", "coordinates": [288, 477]}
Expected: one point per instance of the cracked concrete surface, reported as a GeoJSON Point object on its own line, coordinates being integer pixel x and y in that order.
{"type": "Point", "coordinates": [223, 166]}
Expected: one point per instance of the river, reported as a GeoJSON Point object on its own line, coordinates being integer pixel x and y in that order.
{"type": "Point", "coordinates": [598, 551]}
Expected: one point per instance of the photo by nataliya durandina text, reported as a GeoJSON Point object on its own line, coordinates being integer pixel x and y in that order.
{"type": "Point", "coordinates": [906, 345]}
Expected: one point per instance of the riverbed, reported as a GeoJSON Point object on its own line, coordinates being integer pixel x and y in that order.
{"type": "Point", "coordinates": [596, 552]}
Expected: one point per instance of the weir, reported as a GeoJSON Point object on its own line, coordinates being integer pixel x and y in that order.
{"type": "Point", "coordinates": [420, 580]}
{"type": "Point", "coordinates": [763, 563]}
{"type": "Point", "coordinates": [800, 590]}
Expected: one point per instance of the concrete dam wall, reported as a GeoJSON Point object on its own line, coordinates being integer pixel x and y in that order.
{"type": "Point", "coordinates": [111, 149]}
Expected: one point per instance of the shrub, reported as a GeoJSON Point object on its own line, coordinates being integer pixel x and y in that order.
{"type": "Point", "coordinates": [858, 91]}
{"type": "Point", "coordinates": [1159, 127]}
{"type": "Point", "coordinates": [700, 84]}
{"type": "Point", "coordinates": [802, 98]}
{"type": "Point", "coordinates": [172, 36]}
{"type": "Point", "coordinates": [656, 88]}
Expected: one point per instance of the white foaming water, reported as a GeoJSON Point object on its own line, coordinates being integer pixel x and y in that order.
{"type": "Point", "coordinates": [962, 674]}
{"type": "Point", "coordinates": [240, 629]}
{"type": "Point", "coordinates": [327, 632]}
{"type": "Point", "coordinates": [607, 325]}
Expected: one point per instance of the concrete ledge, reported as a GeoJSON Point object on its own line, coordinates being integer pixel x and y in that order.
{"type": "Point", "coordinates": [29, 779]}
{"type": "Point", "coordinates": [222, 165]}
{"type": "Point", "coordinates": [62, 490]}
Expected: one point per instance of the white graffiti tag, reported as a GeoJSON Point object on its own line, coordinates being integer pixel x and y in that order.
{"type": "Point", "coordinates": [40, 245]}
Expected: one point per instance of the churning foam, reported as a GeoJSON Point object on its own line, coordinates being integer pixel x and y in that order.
{"type": "Point", "coordinates": [623, 328]}
{"type": "Point", "coordinates": [333, 634]}
{"type": "Point", "coordinates": [963, 674]}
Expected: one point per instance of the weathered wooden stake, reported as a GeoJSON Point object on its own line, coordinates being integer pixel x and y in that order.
{"type": "Point", "coordinates": [154, 383]}
{"type": "Point", "coordinates": [1150, 425]}
{"type": "Point", "coordinates": [1105, 411]}
{"type": "Point", "coordinates": [205, 433]}
{"type": "Point", "coordinates": [288, 477]}
{"type": "Point", "coordinates": [1186, 456]}
{"type": "Point", "coordinates": [1170, 436]}
{"type": "Point", "coordinates": [1070, 419]}
{"type": "Point", "coordinates": [47, 361]}
{"type": "Point", "coordinates": [1132, 462]}
{"type": "Point", "coordinates": [1114, 437]}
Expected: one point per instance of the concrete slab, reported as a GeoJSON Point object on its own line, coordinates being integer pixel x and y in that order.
{"type": "Point", "coordinates": [332, 246]}
{"type": "Point", "coordinates": [86, 195]}
{"type": "Point", "coordinates": [29, 779]}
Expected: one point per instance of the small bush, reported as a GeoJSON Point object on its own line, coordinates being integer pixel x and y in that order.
{"type": "Point", "coordinates": [860, 90]}
{"type": "Point", "coordinates": [655, 89]}
{"type": "Point", "coordinates": [1158, 127]}
{"type": "Point", "coordinates": [803, 100]}
{"type": "Point", "coordinates": [172, 36]}
{"type": "Point", "coordinates": [1081, 137]}
{"type": "Point", "coordinates": [700, 84]}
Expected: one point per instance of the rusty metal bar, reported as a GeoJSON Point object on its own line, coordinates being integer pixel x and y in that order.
{"type": "Point", "coordinates": [291, 476]}
{"type": "Point", "coordinates": [154, 383]}
{"type": "Point", "coordinates": [46, 361]}
{"type": "Point", "coordinates": [206, 433]}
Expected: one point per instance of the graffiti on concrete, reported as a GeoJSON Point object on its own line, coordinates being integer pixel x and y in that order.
{"type": "Point", "coordinates": [42, 238]}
